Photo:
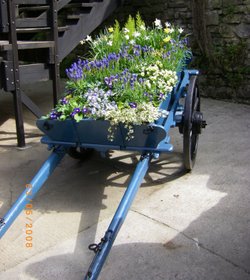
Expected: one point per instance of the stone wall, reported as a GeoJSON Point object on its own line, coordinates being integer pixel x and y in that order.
{"type": "Point", "coordinates": [219, 36]}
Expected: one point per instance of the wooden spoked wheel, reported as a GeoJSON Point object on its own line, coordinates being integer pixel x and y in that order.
{"type": "Point", "coordinates": [192, 124]}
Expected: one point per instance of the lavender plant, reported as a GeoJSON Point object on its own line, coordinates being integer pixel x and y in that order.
{"type": "Point", "coordinates": [131, 70]}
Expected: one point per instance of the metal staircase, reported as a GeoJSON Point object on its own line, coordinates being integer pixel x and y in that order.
{"type": "Point", "coordinates": [35, 36]}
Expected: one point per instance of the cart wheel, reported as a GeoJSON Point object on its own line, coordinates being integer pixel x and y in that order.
{"type": "Point", "coordinates": [80, 153]}
{"type": "Point", "coordinates": [192, 123]}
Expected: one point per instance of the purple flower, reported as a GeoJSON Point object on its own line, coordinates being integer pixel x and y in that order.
{"type": "Point", "coordinates": [141, 80]}
{"type": "Point", "coordinates": [75, 111]}
{"type": "Point", "coordinates": [167, 54]}
{"type": "Point", "coordinates": [85, 110]}
{"type": "Point", "coordinates": [54, 115]}
{"type": "Point", "coordinates": [132, 104]}
{"type": "Point", "coordinates": [98, 64]}
{"type": "Point", "coordinates": [113, 56]}
{"type": "Point", "coordinates": [161, 96]}
{"type": "Point", "coordinates": [134, 77]}
{"type": "Point", "coordinates": [75, 71]}
{"type": "Point", "coordinates": [108, 81]}
{"type": "Point", "coordinates": [64, 101]}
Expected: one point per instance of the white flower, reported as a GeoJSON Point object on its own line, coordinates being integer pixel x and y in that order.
{"type": "Point", "coordinates": [152, 78]}
{"type": "Point", "coordinates": [171, 30]}
{"type": "Point", "coordinates": [132, 42]}
{"type": "Point", "coordinates": [148, 84]}
{"type": "Point", "coordinates": [147, 37]}
{"type": "Point", "coordinates": [142, 27]}
{"type": "Point", "coordinates": [167, 24]}
{"type": "Point", "coordinates": [127, 37]}
{"type": "Point", "coordinates": [104, 38]}
{"type": "Point", "coordinates": [110, 43]}
{"type": "Point", "coordinates": [88, 38]}
{"type": "Point", "coordinates": [158, 62]}
{"type": "Point", "coordinates": [158, 23]}
{"type": "Point", "coordinates": [125, 30]}
{"type": "Point", "coordinates": [136, 34]}
{"type": "Point", "coordinates": [180, 30]}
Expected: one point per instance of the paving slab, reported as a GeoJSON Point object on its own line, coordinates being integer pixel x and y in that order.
{"type": "Point", "coordinates": [181, 226]}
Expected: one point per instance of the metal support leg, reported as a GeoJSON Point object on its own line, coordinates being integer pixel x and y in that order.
{"type": "Point", "coordinates": [30, 105]}
{"type": "Point", "coordinates": [19, 118]}
{"type": "Point", "coordinates": [55, 71]}
{"type": "Point", "coordinates": [16, 92]}
{"type": "Point", "coordinates": [103, 248]}
{"type": "Point", "coordinates": [33, 187]}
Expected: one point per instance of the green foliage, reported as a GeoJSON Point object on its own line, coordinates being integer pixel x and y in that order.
{"type": "Point", "coordinates": [130, 25]}
{"type": "Point", "coordinates": [230, 60]}
{"type": "Point", "coordinates": [116, 36]}
{"type": "Point", "coordinates": [229, 10]}
{"type": "Point", "coordinates": [139, 22]}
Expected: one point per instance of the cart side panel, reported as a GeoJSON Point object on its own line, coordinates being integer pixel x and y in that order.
{"type": "Point", "coordinates": [96, 132]}
{"type": "Point", "coordinates": [59, 130]}
{"type": "Point", "coordinates": [144, 136]}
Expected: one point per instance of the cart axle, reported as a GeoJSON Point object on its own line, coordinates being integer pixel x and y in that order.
{"type": "Point", "coordinates": [198, 123]}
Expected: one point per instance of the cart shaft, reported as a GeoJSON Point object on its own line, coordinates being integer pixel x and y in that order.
{"type": "Point", "coordinates": [103, 248]}
{"type": "Point", "coordinates": [31, 189]}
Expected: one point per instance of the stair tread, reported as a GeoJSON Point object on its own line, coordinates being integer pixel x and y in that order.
{"type": "Point", "coordinates": [34, 8]}
{"type": "Point", "coordinates": [31, 2]}
{"type": "Point", "coordinates": [84, 23]}
{"type": "Point", "coordinates": [74, 16]}
{"type": "Point", "coordinates": [22, 45]}
{"type": "Point", "coordinates": [31, 73]}
{"type": "Point", "coordinates": [32, 29]}
{"type": "Point", "coordinates": [38, 29]}
{"type": "Point", "coordinates": [30, 65]}
{"type": "Point", "coordinates": [84, 5]}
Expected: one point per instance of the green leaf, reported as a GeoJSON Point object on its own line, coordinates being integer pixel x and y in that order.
{"type": "Point", "coordinates": [130, 25]}
{"type": "Point", "coordinates": [139, 21]}
{"type": "Point", "coordinates": [78, 117]}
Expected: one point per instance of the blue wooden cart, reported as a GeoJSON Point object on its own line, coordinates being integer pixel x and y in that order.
{"type": "Point", "coordinates": [182, 110]}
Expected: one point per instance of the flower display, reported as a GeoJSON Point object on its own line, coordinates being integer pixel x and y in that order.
{"type": "Point", "coordinates": [129, 72]}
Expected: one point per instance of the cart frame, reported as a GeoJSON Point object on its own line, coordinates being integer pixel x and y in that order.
{"type": "Point", "coordinates": [190, 122]}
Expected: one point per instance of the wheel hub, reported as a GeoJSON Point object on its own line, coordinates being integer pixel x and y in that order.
{"type": "Point", "coordinates": [198, 123]}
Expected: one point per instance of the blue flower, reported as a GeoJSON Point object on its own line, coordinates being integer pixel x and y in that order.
{"type": "Point", "coordinates": [75, 111]}
{"type": "Point", "coordinates": [85, 110]}
{"type": "Point", "coordinates": [108, 81]}
{"type": "Point", "coordinates": [75, 71]}
{"type": "Point", "coordinates": [160, 96]}
{"type": "Point", "coordinates": [132, 104]}
{"type": "Point", "coordinates": [64, 101]}
{"type": "Point", "coordinates": [54, 115]}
